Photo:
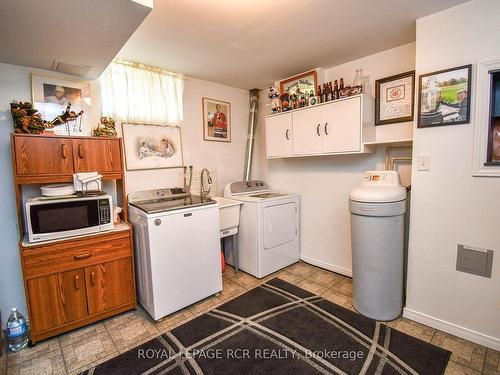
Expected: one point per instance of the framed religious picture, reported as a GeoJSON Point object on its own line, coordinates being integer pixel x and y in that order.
{"type": "Point", "coordinates": [444, 97]}
{"type": "Point", "coordinates": [394, 98]}
{"type": "Point", "coordinates": [300, 84]}
{"type": "Point", "coordinates": [216, 120]}
{"type": "Point", "coordinates": [52, 96]}
{"type": "Point", "coordinates": [152, 146]}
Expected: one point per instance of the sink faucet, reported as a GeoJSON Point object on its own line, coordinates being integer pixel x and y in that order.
{"type": "Point", "coordinates": [204, 192]}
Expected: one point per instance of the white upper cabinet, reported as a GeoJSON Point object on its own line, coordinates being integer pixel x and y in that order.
{"type": "Point", "coordinates": [279, 135]}
{"type": "Point", "coordinates": [339, 127]}
{"type": "Point", "coordinates": [308, 132]}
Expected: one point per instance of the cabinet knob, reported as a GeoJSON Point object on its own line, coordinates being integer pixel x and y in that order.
{"type": "Point", "coordinates": [80, 151]}
{"type": "Point", "coordinates": [317, 129]}
{"type": "Point", "coordinates": [92, 278]}
{"type": "Point", "coordinates": [287, 134]}
{"type": "Point", "coordinates": [77, 282]}
{"type": "Point", "coordinates": [64, 151]}
{"type": "Point", "coordinates": [326, 128]}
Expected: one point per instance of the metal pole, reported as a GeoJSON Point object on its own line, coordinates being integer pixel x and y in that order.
{"type": "Point", "coordinates": [252, 122]}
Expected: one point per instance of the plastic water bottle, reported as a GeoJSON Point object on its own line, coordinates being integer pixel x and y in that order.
{"type": "Point", "coordinates": [17, 331]}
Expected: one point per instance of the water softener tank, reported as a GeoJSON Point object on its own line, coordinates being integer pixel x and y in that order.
{"type": "Point", "coordinates": [377, 208]}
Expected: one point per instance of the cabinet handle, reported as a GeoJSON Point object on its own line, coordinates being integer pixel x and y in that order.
{"type": "Point", "coordinates": [82, 256]}
{"type": "Point", "coordinates": [287, 134]}
{"type": "Point", "coordinates": [80, 151]}
{"type": "Point", "coordinates": [64, 151]}
{"type": "Point", "coordinates": [326, 128]}
{"type": "Point", "coordinates": [317, 129]}
{"type": "Point", "coordinates": [92, 278]}
{"type": "Point", "coordinates": [77, 282]}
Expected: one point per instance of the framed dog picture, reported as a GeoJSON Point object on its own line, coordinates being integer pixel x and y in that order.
{"type": "Point", "coordinates": [444, 97]}
{"type": "Point", "coordinates": [394, 98]}
{"type": "Point", "coordinates": [216, 120]}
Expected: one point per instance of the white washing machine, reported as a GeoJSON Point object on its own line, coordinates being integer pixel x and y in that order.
{"type": "Point", "coordinates": [269, 227]}
{"type": "Point", "coordinates": [177, 249]}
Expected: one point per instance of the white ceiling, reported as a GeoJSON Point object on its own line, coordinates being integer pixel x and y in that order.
{"type": "Point", "coordinates": [250, 43]}
{"type": "Point", "coordinates": [84, 33]}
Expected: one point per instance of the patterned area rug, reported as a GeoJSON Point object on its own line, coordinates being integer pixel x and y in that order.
{"type": "Point", "coordinates": [282, 329]}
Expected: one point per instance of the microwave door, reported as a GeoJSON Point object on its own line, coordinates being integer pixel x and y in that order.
{"type": "Point", "coordinates": [63, 219]}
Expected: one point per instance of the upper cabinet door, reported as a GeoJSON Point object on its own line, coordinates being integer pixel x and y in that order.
{"type": "Point", "coordinates": [43, 155]}
{"type": "Point", "coordinates": [341, 126]}
{"type": "Point", "coordinates": [307, 134]}
{"type": "Point", "coordinates": [101, 155]}
{"type": "Point", "coordinates": [279, 135]}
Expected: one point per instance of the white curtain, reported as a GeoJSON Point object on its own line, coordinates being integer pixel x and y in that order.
{"type": "Point", "coordinates": [139, 94]}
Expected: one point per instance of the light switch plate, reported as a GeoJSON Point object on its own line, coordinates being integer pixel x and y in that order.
{"type": "Point", "coordinates": [474, 260]}
{"type": "Point", "coordinates": [423, 162]}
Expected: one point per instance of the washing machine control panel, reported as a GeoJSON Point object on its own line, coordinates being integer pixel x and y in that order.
{"type": "Point", "coordinates": [381, 178]}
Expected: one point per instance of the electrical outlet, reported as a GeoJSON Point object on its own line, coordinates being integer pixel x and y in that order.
{"type": "Point", "coordinates": [423, 162]}
{"type": "Point", "coordinates": [474, 260]}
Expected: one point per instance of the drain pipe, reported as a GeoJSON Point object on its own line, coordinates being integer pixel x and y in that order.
{"type": "Point", "coordinates": [252, 123]}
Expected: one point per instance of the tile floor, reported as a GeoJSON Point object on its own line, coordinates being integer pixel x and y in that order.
{"type": "Point", "coordinates": [76, 351]}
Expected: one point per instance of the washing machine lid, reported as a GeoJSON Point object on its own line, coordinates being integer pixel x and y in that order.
{"type": "Point", "coordinates": [379, 187]}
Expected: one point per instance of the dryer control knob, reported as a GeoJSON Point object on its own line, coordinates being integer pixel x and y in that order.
{"type": "Point", "coordinates": [249, 184]}
{"type": "Point", "coordinates": [157, 222]}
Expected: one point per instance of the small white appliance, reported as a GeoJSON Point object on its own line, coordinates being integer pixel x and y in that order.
{"type": "Point", "coordinates": [377, 210]}
{"type": "Point", "coordinates": [269, 227]}
{"type": "Point", "coordinates": [177, 249]}
{"type": "Point", "coordinates": [55, 218]}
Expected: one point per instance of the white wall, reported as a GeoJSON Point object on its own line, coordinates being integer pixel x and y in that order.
{"type": "Point", "coordinates": [225, 160]}
{"type": "Point", "coordinates": [324, 182]}
{"type": "Point", "coordinates": [449, 206]}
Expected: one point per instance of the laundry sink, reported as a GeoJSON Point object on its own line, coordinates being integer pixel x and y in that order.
{"type": "Point", "coordinates": [229, 215]}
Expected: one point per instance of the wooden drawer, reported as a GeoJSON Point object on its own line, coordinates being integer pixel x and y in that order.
{"type": "Point", "coordinates": [63, 256]}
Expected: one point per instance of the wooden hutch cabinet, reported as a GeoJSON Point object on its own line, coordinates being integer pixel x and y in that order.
{"type": "Point", "coordinates": [73, 282]}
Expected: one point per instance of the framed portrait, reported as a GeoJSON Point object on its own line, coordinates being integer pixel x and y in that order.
{"type": "Point", "coordinates": [152, 147]}
{"type": "Point", "coordinates": [300, 84]}
{"type": "Point", "coordinates": [51, 96]}
{"type": "Point", "coordinates": [216, 120]}
{"type": "Point", "coordinates": [444, 97]}
{"type": "Point", "coordinates": [394, 98]}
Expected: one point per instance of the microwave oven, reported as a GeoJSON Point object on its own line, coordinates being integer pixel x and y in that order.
{"type": "Point", "coordinates": [50, 219]}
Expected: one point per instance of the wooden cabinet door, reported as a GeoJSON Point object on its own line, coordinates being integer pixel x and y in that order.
{"type": "Point", "coordinates": [279, 135]}
{"type": "Point", "coordinates": [341, 125]}
{"type": "Point", "coordinates": [109, 285]}
{"type": "Point", "coordinates": [57, 299]}
{"type": "Point", "coordinates": [43, 155]}
{"type": "Point", "coordinates": [307, 135]}
{"type": "Point", "coordinates": [101, 155]}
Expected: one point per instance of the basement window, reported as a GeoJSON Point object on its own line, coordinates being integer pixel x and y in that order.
{"type": "Point", "coordinates": [494, 123]}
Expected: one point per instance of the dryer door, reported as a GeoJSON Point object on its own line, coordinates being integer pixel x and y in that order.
{"type": "Point", "coordinates": [280, 224]}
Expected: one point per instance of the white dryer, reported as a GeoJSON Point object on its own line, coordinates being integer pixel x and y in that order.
{"type": "Point", "coordinates": [269, 227]}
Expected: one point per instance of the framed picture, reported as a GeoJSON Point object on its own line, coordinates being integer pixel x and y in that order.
{"type": "Point", "coordinates": [152, 147]}
{"type": "Point", "coordinates": [300, 84]}
{"type": "Point", "coordinates": [394, 98]}
{"type": "Point", "coordinates": [216, 120]}
{"type": "Point", "coordinates": [51, 97]}
{"type": "Point", "coordinates": [444, 97]}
